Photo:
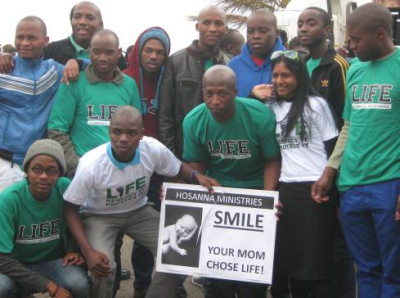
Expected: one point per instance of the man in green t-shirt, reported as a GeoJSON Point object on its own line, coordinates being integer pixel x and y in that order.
{"type": "Point", "coordinates": [33, 253]}
{"type": "Point", "coordinates": [82, 110]}
{"type": "Point", "coordinates": [368, 154]}
{"type": "Point", "coordinates": [233, 140]}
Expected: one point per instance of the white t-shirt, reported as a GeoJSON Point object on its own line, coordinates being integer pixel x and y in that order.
{"type": "Point", "coordinates": [304, 160]}
{"type": "Point", "coordinates": [103, 185]}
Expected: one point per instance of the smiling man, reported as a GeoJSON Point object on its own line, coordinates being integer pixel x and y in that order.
{"type": "Point", "coordinates": [86, 20]}
{"type": "Point", "coordinates": [82, 111]}
{"type": "Point", "coordinates": [253, 66]}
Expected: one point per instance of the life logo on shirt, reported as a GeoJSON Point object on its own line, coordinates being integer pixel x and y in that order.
{"type": "Point", "coordinates": [293, 141]}
{"type": "Point", "coordinates": [122, 194]}
{"type": "Point", "coordinates": [38, 232]}
{"type": "Point", "coordinates": [374, 96]}
{"type": "Point", "coordinates": [229, 149]}
{"type": "Point", "coordinates": [100, 115]}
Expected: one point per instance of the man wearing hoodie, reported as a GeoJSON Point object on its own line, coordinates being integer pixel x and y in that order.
{"type": "Point", "coordinates": [253, 66]}
{"type": "Point", "coordinates": [146, 64]}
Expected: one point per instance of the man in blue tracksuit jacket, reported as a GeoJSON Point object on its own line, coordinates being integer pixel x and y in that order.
{"type": "Point", "coordinates": [253, 66]}
{"type": "Point", "coordinates": [26, 98]}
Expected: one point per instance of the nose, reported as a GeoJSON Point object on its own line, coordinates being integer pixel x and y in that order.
{"type": "Point", "coordinates": [153, 55]}
{"type": "Point", "coordinates": [212, 27]}
{"type": "Point", "coordinates": [123, 138]}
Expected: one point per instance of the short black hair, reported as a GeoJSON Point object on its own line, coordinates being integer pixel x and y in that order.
{"type": "Point", "coordinates": [71, 14]}
{"type": "Point", "coordinates": [265, 13]}
{"type": "Point", "coordinates": [370, 17]}
{"type": "Point", "coordinates": [36, 19]}
{"type": "Point", "coordinates": [228, 38]}
{"type": "Point", "coordinates": [326, 19]}
{"type": "Point", "coordinates": [107, 32]}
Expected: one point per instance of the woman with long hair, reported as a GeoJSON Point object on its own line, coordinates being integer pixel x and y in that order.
{"type": "Point", "coordinates": [306, 132]}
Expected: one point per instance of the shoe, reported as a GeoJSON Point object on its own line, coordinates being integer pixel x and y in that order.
{"type": "Point", "coordinates": [125, 274]}
{"type": "Point", "coordinates": [139, 293]}
{"type": "Point", "coordinates": [198, 281]}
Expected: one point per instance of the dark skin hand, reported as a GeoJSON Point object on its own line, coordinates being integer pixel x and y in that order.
{"type": "Point", "coordinates": [73, 258]}
{"type": "Point", "coordinates": [70, 73]}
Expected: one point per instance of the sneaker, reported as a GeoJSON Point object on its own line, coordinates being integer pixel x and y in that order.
{"type": "Point", "coordinates": [198, 281]}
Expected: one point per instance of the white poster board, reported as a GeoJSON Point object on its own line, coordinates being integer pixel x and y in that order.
{"type": "Point", "coordinates": [228, 235]}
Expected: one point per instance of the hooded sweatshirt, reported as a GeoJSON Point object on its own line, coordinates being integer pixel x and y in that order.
{"type": "Point", "coordinates": [248, 74]}
{"type": "Point", "coordinates": [149, 87]}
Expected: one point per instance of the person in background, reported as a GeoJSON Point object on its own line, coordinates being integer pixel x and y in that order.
{"type": "Point", "coordinates": [181, 89]}
{"type": "Point", "coordinates": [253, 66]}
{"type": "Point", "coordinates": [86, 20]}
{"type": "Point", "coordinates": [327, 70]}
{"type": "Point", "coordinates": [36, 253]}
{"type": "Point", "coordinates": [231, 45]}
{"type": "Point", "coordinates": [146, 65]}
{"type": "Point", "coordinates": [8, 48]}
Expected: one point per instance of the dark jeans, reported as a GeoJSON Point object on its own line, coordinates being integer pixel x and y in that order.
{"type": "Point", "coordinates": [344, 276]}
{"type": "Point", "coordinates": [229, 289]}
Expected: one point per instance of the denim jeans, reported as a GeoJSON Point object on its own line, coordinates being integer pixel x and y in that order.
{"type": "Point", "coordinates": [373, 237]}
{"type": "Point", "coordinates": [72, 278]}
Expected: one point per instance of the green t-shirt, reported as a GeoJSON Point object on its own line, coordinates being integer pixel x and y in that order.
{"type": "Point", "coordinates": [83, 110]}
{"type": "Point", "coordinates": [372, 152]}
{"type": "Point", "coordinates": [234, 150]}
{"type": "Point", "coordinates": [208, 64]}
{"type": "Point", "coordinates": [312, 64]}
{"type": "Point", "coordinates": [32, 231]}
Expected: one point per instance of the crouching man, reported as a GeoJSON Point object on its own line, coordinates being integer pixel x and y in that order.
{"type": "Point", "coordinates": [111, 184]}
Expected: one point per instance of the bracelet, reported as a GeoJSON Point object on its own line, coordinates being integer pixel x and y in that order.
{"type": "Point", "coordinates": [193, 176]}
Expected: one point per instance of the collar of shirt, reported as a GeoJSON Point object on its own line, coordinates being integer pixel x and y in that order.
{"type": "Point", "coordinates": [122, 165]}
{"type": "Point", "coordinates": [80, 52]}
{"type": "Point", "coordinates": [93, 78]}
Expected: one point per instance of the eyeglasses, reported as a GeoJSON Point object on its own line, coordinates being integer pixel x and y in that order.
{"type": "Point", "coordinates": [292, 55]}
{"type": "Point", "coordinates": [49, 172]}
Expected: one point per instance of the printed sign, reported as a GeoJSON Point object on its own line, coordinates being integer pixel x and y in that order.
{"type": "Point", "coordinates": [229, 234]}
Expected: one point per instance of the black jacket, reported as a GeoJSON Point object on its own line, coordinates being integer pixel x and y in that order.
{"type": "Point", "coordinates": [329, 80]}
{"type": "Point", "coordinates": [63, 50]}
{"type": "Point", "coordinates": [181, 91]}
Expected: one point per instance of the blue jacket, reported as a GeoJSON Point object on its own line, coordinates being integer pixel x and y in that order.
{"type": "Point", "coordinates": [26, 99]}
{"type": "Point", "coordinates": [248, 74]}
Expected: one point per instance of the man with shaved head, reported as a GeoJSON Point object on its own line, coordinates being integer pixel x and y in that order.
{"type": "Point", "coordinates": [368, 154]}
{"type": "Point", "coordinates": [111, 185]}
{"type": "Point", "coordinates": [82, 111]}
{"type": "Point", "coordinates": [253, 66]}
{"type": "Point", "coordinates": [233, 140]}
{"type": "Point", "coordinates": [27, 92]}
{"type": "Point", "coordinates": [85, 20]}
{"type": "Point", "coordinates": [181, 87]}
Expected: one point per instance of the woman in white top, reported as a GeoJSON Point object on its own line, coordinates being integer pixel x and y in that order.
{"type": "Point", "coordinates": [306, 132]}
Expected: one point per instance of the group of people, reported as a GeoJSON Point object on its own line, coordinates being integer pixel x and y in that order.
{"type": "Point", "coordinates": [223, 111]}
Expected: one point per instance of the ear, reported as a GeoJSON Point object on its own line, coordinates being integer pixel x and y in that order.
{"type": "Point", "coordinates": [229, 48]}
{"type": "Point", "coordinates": [101, 25]}
{"type": "Point", "coordinates": [380, 33]}
{"type": "Point", "coordinates": [46, 41]}
{"type": "Point", "coordinates": [197, 26]}
{"type": "Point", "coordinates": [236, 91]}
{"type": "Point", "coordinates": [119, 52]}
{"type": "Point", "coordinates": [327, 30]}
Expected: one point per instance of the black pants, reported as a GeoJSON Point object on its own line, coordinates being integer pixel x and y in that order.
{"type": "Point", "coordinates": [228, 288]}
